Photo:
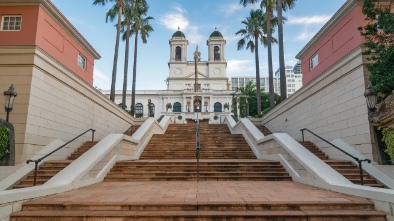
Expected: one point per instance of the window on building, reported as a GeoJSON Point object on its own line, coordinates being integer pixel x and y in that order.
{"type": "Point", "coordinates": [217, 107]}
{"type": "Point", "coordinates": [139, 110]}
{"type": "Point", "coordinates": [314, 61]}
{"type": "Point", "coordinates": [11, 23]}
{"type": "Point", "coordinates": [178, 53]}
{"type": "Point", "coordinates": [216, 52]}
{"type": "Point", "coordinates": [177, 107]}
{"type": "Point", "coordinates": [289, 85]}
{"type": "Point", "coordinates": [234, 88]}
{"type": "Point", "coordinates": [288, 90]}
{"type": "Point", "coordinates": [241, 82]}
{"type": "Point", "coordinates": [293, 90]}
{"type": "Point", "coordinates": [292, 80]}
{"type": "Point", "coordinates": [288, 80]}
{"type": "Point", "coordinates": [293, 85]}
{"type": "Point", "coordinates": [81, 61]}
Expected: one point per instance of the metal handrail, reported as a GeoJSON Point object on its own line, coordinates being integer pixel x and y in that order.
{"type": "Point", "coordinates": [355, 158]}
{"type": "Point", "coordinates": [40, 159]}
{"type": "Point", "coordinates": [198, 146]}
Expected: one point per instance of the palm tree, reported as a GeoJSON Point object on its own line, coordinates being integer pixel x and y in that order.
{"type": "Point", "coordinates": [269, 6]}
{"type": "Point", "coordinates": [119, 6]}
{"type": "Point", "coordinates": [253, 32]}
{"type": "Point", "coordinates": [140, 26]}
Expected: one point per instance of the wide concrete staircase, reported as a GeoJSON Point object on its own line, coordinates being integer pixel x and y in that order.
{"type": "Point", "coordinates": [172, 157]}
{"type": "Point", "coordinates": [233, 185]}
{"type": "Point", "coordinates": [344, 167]}
{"type": "Point", "coordinates": [50, 168]}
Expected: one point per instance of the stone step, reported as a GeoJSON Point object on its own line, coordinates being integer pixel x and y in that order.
{"type": "Point", "coordinates": [201, 178]}
{"type": "Point", "coordinates": [192, 212]}
{"type": "Point", "coordinates": [201, 206]}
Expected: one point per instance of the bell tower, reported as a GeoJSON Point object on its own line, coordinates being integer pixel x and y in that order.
{"type": "Point", "coordinates": [216, 47]}
{"type": "Point", "coordinates": [178, 45]}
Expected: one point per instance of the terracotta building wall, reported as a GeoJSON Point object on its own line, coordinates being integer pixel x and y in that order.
{"type": "Point", "coordinates": [62, 46]}
{"type": "Point", "coordinates": [39, 28]}
{"type": "Point", "coordinates": [338, 42]}
{"type": "Point", "coordinates": [27, 34]}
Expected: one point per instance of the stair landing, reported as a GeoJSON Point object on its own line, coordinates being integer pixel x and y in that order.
{"type": "Point", "coordinates": [190, 200]}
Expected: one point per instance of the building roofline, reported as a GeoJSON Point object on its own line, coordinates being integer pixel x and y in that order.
{"type": "Point", "coordinates": [59, 17]}
{"type": "Point", "coordinates": [346, 7]}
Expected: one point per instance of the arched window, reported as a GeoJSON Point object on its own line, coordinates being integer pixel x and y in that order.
{"type": "Point", "coordinates": [216, 53]}
{"type": "Point", "coordinates": [139, 110]}
{"type": "Point", "coordinates": [178, 53]}
{"type": "Point", "coordinates": [176, 107]}
{"type": "Point", "coordinates": [217, 107]}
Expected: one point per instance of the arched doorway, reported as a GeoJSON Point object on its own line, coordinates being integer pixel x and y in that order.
{"type": "Point", "coordinates": [217, 107]}
{"type": "Point", "coordinates": [176, 107]}
{"type": "Point", "coordinates": [197, 104]}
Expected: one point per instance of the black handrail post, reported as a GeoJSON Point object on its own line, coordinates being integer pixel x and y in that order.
{"type": "Point", "coordinates": [35, 172]}
{"type": "Point", "coordinates": [93, 134]}
{"type": "Point", "coordinates": [198, 147]}
{"type": "Point", "coordinates": [360, 166]}
{"type": "Point", "coordinates": [302, 131]}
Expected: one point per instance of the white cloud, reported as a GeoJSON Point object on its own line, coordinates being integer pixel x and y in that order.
{"type": "Point", "coordinates": [316, 19]}
{"type": "Point", "coordinates": [173, 20]}
{"type": "Point", "coordinates": [100, 80]}
{"type": "Point", "coordinates": [310, 25]}
{"type": "Point", "coordinates": [193, 35]}
{"type": "Point", "coordinates": [230, 8]}
{"type": "Point", "coordinates": [240, 66]}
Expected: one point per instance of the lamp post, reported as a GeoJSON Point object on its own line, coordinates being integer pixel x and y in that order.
{"type": "Point", "coordinates": [9, 97]}
{"type": "Point", "coordinates": [371, 97]}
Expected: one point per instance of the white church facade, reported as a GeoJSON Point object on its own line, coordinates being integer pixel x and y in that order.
{"type": "Point", "coordinates": [213, 86]}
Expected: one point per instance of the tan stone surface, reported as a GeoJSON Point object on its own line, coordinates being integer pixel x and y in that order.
{"type": "Point", "coordinates": [242, 192]}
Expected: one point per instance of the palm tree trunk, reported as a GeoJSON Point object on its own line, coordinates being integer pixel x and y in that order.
{"type": "Point", "coordinates": [270, 69]}
{"type": "Point", "coordinates": [112, 94]}
{"type": "Point", "coordinates": [126, 65]}
{"type": "Point", "coordinates": [134, 73]}
{"type": "Point", "coordinates": [283, 89]}
{"type": "Point", "coordinates": [258, 92]}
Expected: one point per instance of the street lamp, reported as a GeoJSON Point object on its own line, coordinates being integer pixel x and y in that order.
{"type": "Point", "coordinates": [9, 97]}
{"type": "Point", "coordinates": [371, 97]}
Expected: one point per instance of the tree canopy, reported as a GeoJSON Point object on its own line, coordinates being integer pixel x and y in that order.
{"type": "Point", "coordinates": [379, 44]}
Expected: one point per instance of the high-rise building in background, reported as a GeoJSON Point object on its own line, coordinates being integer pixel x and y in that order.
{"type": "Point", "coordinates": [293, 78]}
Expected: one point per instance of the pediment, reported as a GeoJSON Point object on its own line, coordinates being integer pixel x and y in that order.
{"type": "Point", "coordinates": [199, 73]}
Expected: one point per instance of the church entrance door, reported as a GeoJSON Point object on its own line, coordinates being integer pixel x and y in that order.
{"type": "Point", "coordinates": [197, 104]}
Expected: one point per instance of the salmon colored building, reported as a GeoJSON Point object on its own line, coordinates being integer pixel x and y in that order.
{"type": "Point", "coordinates": [51, 67]}
{"type": "Point", "coordinates": [340, 36]}
{"type": "Point", "coordinates": [39, 23]}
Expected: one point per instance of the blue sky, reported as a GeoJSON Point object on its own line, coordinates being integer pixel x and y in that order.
{"type": "Point", "coordinates": [197, 19]}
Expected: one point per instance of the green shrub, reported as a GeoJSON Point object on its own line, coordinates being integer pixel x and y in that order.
{"type": "Point", "coordinates": [388, 139]}
{"type": "Point", "coordinates": [4, 141]}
